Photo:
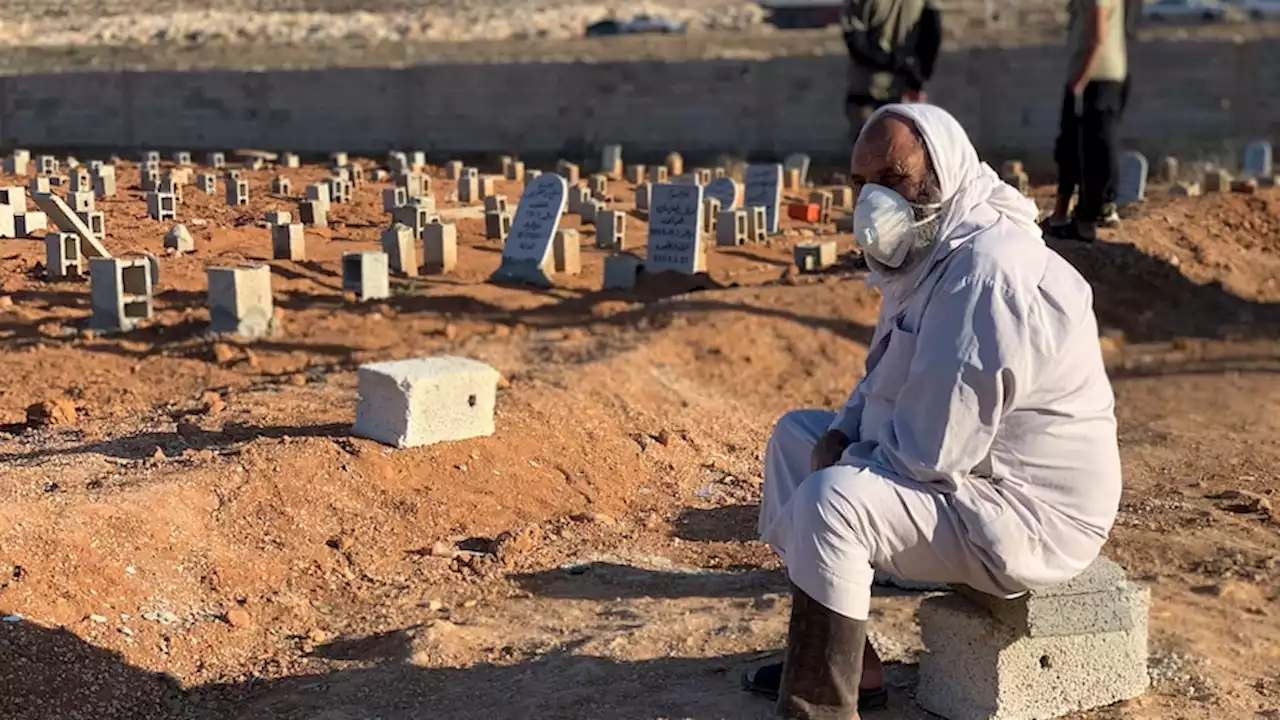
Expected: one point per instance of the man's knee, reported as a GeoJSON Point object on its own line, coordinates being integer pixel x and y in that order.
{"type": "Point", "coordinates": [837, 500]}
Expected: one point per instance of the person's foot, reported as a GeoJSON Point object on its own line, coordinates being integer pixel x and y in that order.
{"type": "Point", "coordinates": [767, 679]}
{"type": "Point", "coordinates": [1071, 230]}
{"type": "Point", "coordinates": [1110, 216]}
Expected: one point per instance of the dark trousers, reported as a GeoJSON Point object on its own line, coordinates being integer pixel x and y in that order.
{"type": "Point", "coordinates": [1086, 148]}
{"type": "Point", "coordinates": [858, 109]}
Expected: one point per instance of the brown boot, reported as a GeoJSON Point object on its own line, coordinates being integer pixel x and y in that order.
{"type": "Point", "coordinates": [824, 663]}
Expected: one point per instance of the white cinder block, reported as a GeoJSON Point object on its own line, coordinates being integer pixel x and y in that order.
{"type": "Point", "coordinates": [410, 403]}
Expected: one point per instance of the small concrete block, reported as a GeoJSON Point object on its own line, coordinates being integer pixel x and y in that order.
{"type": "Point", "coordinates": [569, 171]}
{"type": "Point", "coordinates": [216, 160]}
{"type": "Point", "coordinates": [731, 228]}
{"type": "Point", "coordinates": [710, 213]}
{"type": "Point", "coordinates": [1094, 601]}
{"type": "Point", "coordinates": [168, 187]}
{"type": "Point", "coordinates": [96, 220]}
{"type": "Point", "coordinates": [399, 242]}
{"type": "Point", "coordinates": [791, 179]}
{"type": "Point", "coordinates": [757, 224]}
{"type": "Point", "coordinates": [161, 206]}
{"type": "Point", "coordinates": [411, 403]}
{"type": "Point", "coordinates": [281, 185]}
{"type": "Point", "coordinates": [182, 158]}
{"type": "Point", "coordinates": [577, 199]}
{"type": "Point", "coordinates": [207, 182]}
{"type": "Point", "coordinates": [238, 192]}
{"type": "Point", "coordinates": [314, 213]}
{"type": "Point", "coordinates": [279, 217]}
{"type": "Point", "coordinates": [1245, 186]}
{"type": "Point", "coordinates": [978, 668]}
{"type": "Point", "coordinates": [644, 193]}
{"type": "Point", "coordinates": [413, 216]}
{"type": "Point", "coordinates": [397, 161]}
{"type": "Point", "coordinates": [151, 157]}
{"type": "Point", "coordinates": [487, 186]}
{"type": "Point", "coordinates": [8, 223]}
{"type": "Point", "coordinates": [319, 192]}
{"type": "Point", "coordinates": [288, 242]}
{"type": "Point", "coordinates": [15, 198]}
{"type": "Point", "coordinates": [179, 239]}
{"type": "Point", "coordinates": [453, 169]}
{"type": "Point", "coordinates": [815, 256]}
{"type": "Point", "coordinates": [120, 293]}
{"type": "Point", "coordinates": [497, 225]}
{"type": "Point", "coordinates": [1217, 181]}
{"type": "Point", "coordinates": [47, 164]}
{"type": "Point", "coordinates": [495, 203]}
{"type": "Point", "coordinates": [440, 247]}
{"type": "Point", "coordinates": [62, 256]}
{"type": "Point", "coordinates": [149, 180]}
{"type": "Point", "coordinates": [339, 190]}
{"type": "Point", "coordinates": [566, 250]}
{"type": "Point", "coordinates": [80, 181]}
{"type": "Point", "coordinates": [240, 301]}
{"type": "Point", "coordinates": [290, 160]}
{"type": "Point", "coordinates": [355, 173]}
{"type": "Point", "coordinates": [634, 174]}
{"type": "Point", "coordinates": [66, 219]}
{"type": "Point", "coordinates": [842, 198]}
{"type": "Point", "coordinates": [824, 201]}
{"type": "Point", "coordinates": [393, 198]}
{"type": "Point", "coordinates": [423, 202]}
{"type": "Point", "coordinates": [468, 190]}
{"type": "Point", "coordinates": [15, 165]}
{"type": "Point", "coordinates": [598, 185]}
{"type": "Point", "coordinates": [81, 201]}
{"type": "Point", "coordinates": [29, 223]}
{"type": "Point", "coordinates": [674, 163]}
{"type": "Point", "coordinates": [702, 176]}
{"type": "Point", "coordinates": [622, 271]}
{"type": "Point", "coordinates": [530, 175]}
{"type": "Point", "coordinates": [591, 209]}
{"type": "Point", "coordinates": [338, 159]}
{"type": "Point", "coordinates": [515, 171]}
{"type": "Point", "coordinates": [40, 185]}
{"type": "Point", "coordinates": [611, 230]}
{"type": "Point", "coordinates": [254, 163]}
{"type": "Point", "coordinates": [367, 274]}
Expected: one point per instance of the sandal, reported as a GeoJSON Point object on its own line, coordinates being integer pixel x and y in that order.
{"type": "Point", "coordinates": [767, 679]}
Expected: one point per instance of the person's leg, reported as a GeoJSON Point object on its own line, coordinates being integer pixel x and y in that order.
{"type": "Point", "coordinates": [1102, 101]}
{"type": "Point", "coordinates": [1110, 215]}
{"type": "Point", "coordinates": [841, 523]}
{"type": "Point", "coordinates": [857, 110]}
{"type": "Point", "coordinates": [787, 462]}
{"type": "Point", "coordinates": [1066, 152]}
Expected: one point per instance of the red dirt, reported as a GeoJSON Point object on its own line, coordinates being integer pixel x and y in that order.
{"type": "Point", "coordinates": [204, 539]}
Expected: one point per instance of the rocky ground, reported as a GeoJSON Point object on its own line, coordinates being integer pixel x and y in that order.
{"type": "Point", "coordinates": [188, 530]}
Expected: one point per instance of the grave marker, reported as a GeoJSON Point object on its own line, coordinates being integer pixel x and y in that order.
{"type": "Point", "coordinates": [800, 163]}
{"type": "Point", "coordinates": [1133, 178]}
{"type": "Point", "coordinates": [675, 229]}
{"type": "Point", "coordinates": [764, 189]}
{"type": "Point", "coordinates": [726, 190]}
{"type": "Point", "coordinates": [525, 256]}
{"type": "Point", "coordinates": [54, 207]}
{"type": "Point", "coordinates": [1257, 159]}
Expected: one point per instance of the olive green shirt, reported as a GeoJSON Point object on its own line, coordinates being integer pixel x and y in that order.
{"type": "Point", "coordinates": [1113, 57]}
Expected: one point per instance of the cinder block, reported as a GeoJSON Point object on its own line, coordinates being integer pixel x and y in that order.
{"type": "Point", "coordinates": [279, 217]}
{"type": "Point", "coordinates": [674, 163]}
{"type": "Point", "coordinates": [314, 213]}
{"type": "Point", "coordinates": [80, 181]}
{"type": "Point", "coordinates": [514, 171]}
{"type": "Point", "coordinates": [290, 160]}
{"type": "Point", "coordinates": [168, 186]}
{"type": "Point", "coordinates": [569, 171]}
{"type": "Point", "coordinates": [179, 239]}
{"type": "Point", "coordinates": [288, 242]}
{"type": "Point", "coordinates": [338, 159]}
{"type": "Point", "coordinates": [104, 186]}
{"type": "Point", "coordinates": [644, 193]}
{"type": "Point", "coordinates": [440, 247]}
{"type": "Point", "coordinates": [414, 183]}
{"type": "Point", "coordinates": [634, 174]}
{"type": "Point", "coordinates": [393, 198]}
{"type": "Point", "coordinates": [161, 206]}
{"type": "Point", "coordinates": [598, 185]}
{"type": "Point", "coordinates": [424, 202]}
{"type": "Point", "coordinates": [319, 193]}
{"type": "Point", "coordinates": [216, 160]}
{"type": "Point", "coordinates": [842, 197]}
{"type": "Point", "coordinates": [611, 230]}
{"type": "Point", "coordinates": [453, 169]}
{"type": "Point", "coordinates": [96, 221]}
{"type": "Point", "coordinates": [367, 275]}
{"type": "Point", "coordinates": [207, 183]}
{"type": "Point", "coordinates": [15, 198]}
{"type": "Point", "coordinates": [757, 224]}
{"type": "Point", "coordinates": [339, 190]}
{"type": "Point", "coordinates": [120, 293]}
{"type": "Point", "coordinates": [399, 242]}
{"type": "Point", "coordinates": [622, 271]}
{"type": "Point", "coordinates": [731, 228]}
{"type": "Point", "coordinates": [495, 203]}
{"type": "Point", "coordinates": [40, 185]}
{"type": "Point", "coordinates": [149, 180]}
{"type": "Point", "coordinates": [468, 190]}
{"type": "Point", "coordinates": [978, 668]}
{"type": "Point", "coordinates": [411, 403]}
{"type": "Point", "coordinates": [566, 250]}
{"type": "Point", "coordinates": [816, 255]}
{"type": "Point", "coordinates": [15, 165]}
{"type": "Point", "coordinates": [62, 256]}
{"type": "Point", "coordinates": [238, 192]}
{"type": "Point", "coordinates": [823, 200]}
{"type": "Point", "coordinates": [182, 158]}
{"type": "Point", "coordinates": [281, 185]}
{"type": "Point", "coordinates": [1094, 601]}
{"type": "Point", "coordinates": [413, 216]}
{"type": "Point", "coordinates": [29, 223]}
{"type": "Point", "coordinates": [81, 201]}
{"type": "Point", "coordinates": [240, 301]}
{"type": "Point", "coordinates": [8, 222]}
{"type": "Point", "coordinates": [497, 225]}
{"type": "Point", "coordinates": [710, 214]}
{"type": "Point", "coordinates": [577, 200]}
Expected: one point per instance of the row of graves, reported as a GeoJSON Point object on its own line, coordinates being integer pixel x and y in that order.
{"type": "Point", "coordinates": [686, 212]}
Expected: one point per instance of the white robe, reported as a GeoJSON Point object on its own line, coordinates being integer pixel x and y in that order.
{"type": "Point", "coordinates": [984, 438]}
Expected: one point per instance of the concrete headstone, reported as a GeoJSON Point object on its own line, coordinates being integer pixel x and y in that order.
{"type": "Point", "coordinates": [764, 189]}
{"type": "Point", "coordinates": [725, 190]}
{"type": "Point", "coordinates": [1133, 178]}
{"type": "Point", "coordinates": [528, 245]}
{"type": "Point", "coordinates": [675, 229]}
{"type": "Point", "coordinates": [800, 163]}
{"type": "Point", "coordinates": [1257, 159]}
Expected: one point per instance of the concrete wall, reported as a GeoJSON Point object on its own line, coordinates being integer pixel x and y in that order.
{"type": "Point", "coordinates": [1202, 95]}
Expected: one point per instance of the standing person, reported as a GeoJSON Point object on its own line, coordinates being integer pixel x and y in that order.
{"type": "Point", "coordinates": [1092, 103]}
{"type": "Point", "coordinates": [893, 45]}
{"type": "Point", "coordinates": [1132, 14]}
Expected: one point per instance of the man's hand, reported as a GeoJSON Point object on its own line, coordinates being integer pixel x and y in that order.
{"type": "Point", "coordinates": [828, 449]}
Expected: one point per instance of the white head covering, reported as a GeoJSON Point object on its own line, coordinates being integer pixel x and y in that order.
{"type": "Point", "coordinates": [967, 182]}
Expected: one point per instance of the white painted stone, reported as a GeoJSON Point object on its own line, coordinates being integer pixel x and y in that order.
{"type": "Point", "coordinates": [412, 403]}
{"type": "Point", "coordinates": [764, 189]}
{"type": "Point", "coordinates": [528, 244]}
{"type": "Point", "coordinates": [675, 229]}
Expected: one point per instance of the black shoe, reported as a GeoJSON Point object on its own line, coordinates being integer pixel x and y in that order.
{"type": "Point", "coordinates": [766, 679]}
{"type": "Point", "coordinates": [1069, 230]}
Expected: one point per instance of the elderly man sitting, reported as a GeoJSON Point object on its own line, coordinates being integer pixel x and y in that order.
{"type": "Point", "coordinates": [980, 446]}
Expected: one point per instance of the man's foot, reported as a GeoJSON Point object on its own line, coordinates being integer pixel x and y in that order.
{"type": "Point", "coordinates": [1071, 230]}
{"type": "Point", "coordinates": [1110, 216]}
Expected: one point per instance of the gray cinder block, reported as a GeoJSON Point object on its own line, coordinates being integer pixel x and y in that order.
{"type": "Point", "coordinates": [237, 192]}
{"type": "Point", "coordinates": [161, 206]}
{"type": "Point", "coordinates": [81, 201]}
{"type": "Point", "coordinates": [216, 160]}
{"type": "Point", "coordinates": [338, 159]}
{"type": "Point", "coordinates": [495, 203]}
{"type": "Point", "coordinates": [104, 185]}
{"type": "Point", "coordinates": [393, 198]}
{"type": "Point", "coordinates": [15, 198]}
{"type": "Point", "coordinates": [314, 213]}
{"type": "Point", "coordinates": [15, 165]}
{"type": "Point", "coordinates": [120, 292]}
{"type": "Point", "coordinates": [514, 171]}
{"type": "Point", "coordinates": [367, 275]}
{"type": "Point", "coordinates": [566, 251]}
{"type": "Point", "coordinates": [29, 223]}
{"type": "Point", "coordinates": [611, 230]}
{"type": "Point", "coordinates": [710, 213]}
{"type": "Point", "coordinates": [411, 403]}
{"type": "Point", "coordinates": [399, 242]}
{"type": "Point", "coordinates": [179, 239]}
{"type": "Point", "coordinates": [288, 242]}
{"type": "Point", "coordinates": [8, 222]}
{"type": "Point", "coordinates": [644, 193]}
{"type": "Point", "coordinates": [453, 169]}
{"type": "Point", "coordinates": [1097, 600]}
{"type": "Point", "coordinates": [978, 668]}
{"type": "Point", "coordinates": [815, 255]}
{"type": "Point", "coordinates": [468, 189]}
{"type": "Point", "coordinates": [412, 216]}
{"type": "Point", "coordinates": [290, 160]}
{"type": "Point", "coordinates": [757, 224]}
{"type": "Point", "coordinates": [622, 271]}
{"type": "Point", "coordinates": [279, 217]}
{"type": "Point", "coordinates": [40, 185]}
{"type": "Point", "coordinates": [281, 185]}
{"type": "Point", "coordinates": [240, 301]}
{"type": "Point", "coordinates": [207, 183]}
{"type": "Point", "coordinates": [731, 228]}
{"type": "Point", "coordinates": [440, 247]}
{"type": "Point", "coordinates": [62, 255]}
{"type": "Point", "coordinates": [577, 198]}
{"type": "Point", "coordinates": [497, 225]}
{"type": "Point", "coordinates": [319, 193]}
{"type": "Point", "coordinates": [182, 158]}
{"type": "Point", "coordinates": [95, 220]}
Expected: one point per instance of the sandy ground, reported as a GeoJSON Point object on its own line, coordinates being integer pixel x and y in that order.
{"type": "Point", "coordinates": [195, 534]}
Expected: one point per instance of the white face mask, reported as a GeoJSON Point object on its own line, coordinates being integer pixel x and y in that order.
{"type": "Point", "coordinates": [885, 224]}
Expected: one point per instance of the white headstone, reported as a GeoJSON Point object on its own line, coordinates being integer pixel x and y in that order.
{"type": "Point", "coordinates": [1133, 178]}
{"type": "Point", "coordinates": [1257, 159]}
{"type": "Point", "coordinates": [675, 229]}
{"type": "Point", "coordinates": [764, 189]}
{"type": "Point", "coordinates": [528, 245]}
{"type": "Point", "coordinates": [797, 161]}
{"type": "Point", "coordinates": [725, 190]}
